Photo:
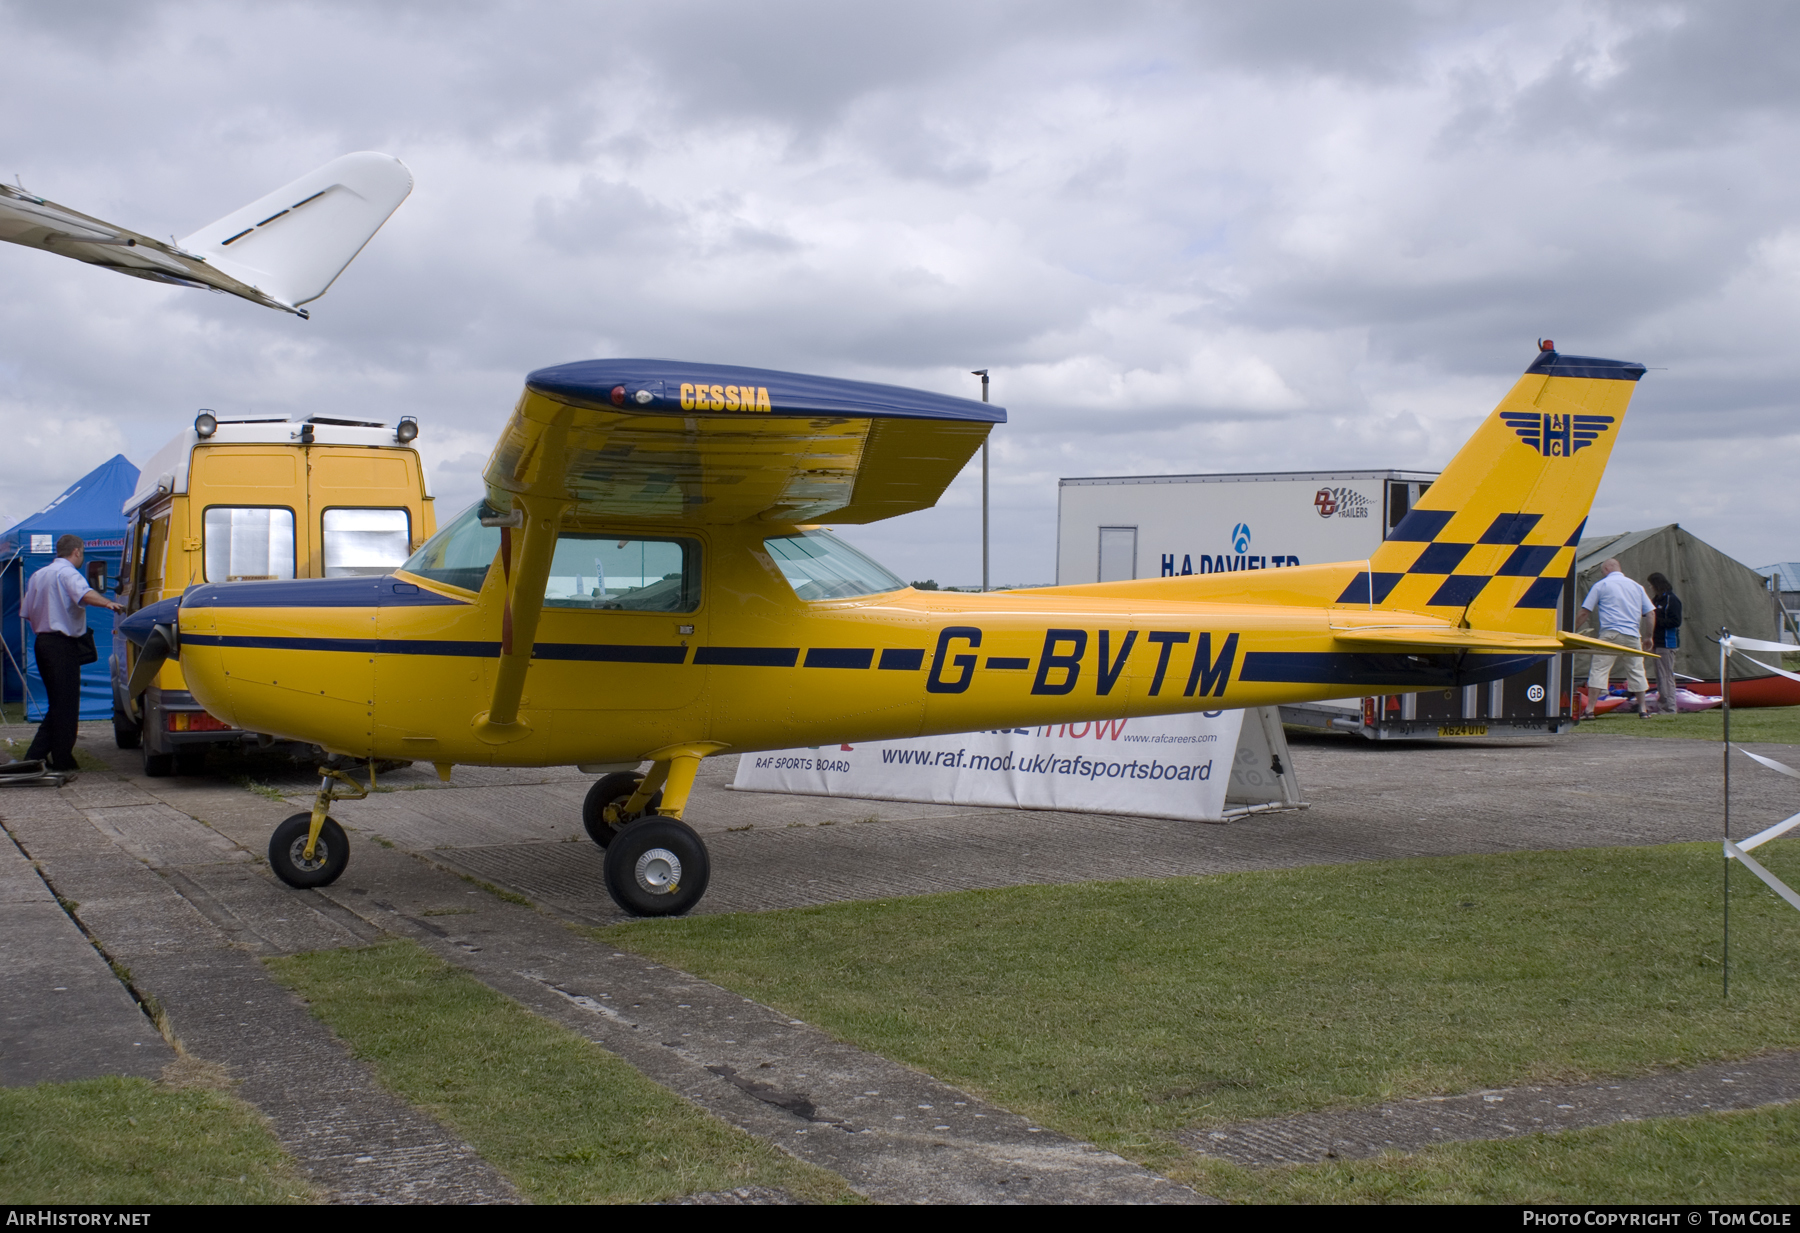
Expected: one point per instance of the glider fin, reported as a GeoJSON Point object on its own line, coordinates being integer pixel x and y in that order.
{"type": "Point", "coordinates": [291, 244]}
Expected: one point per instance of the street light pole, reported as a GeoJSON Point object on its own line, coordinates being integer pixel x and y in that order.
{"type": "Point", "coordinates": [983, 374]}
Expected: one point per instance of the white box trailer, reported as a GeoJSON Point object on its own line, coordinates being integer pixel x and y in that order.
{"type": "Point", "coordinates": [1111, 528]}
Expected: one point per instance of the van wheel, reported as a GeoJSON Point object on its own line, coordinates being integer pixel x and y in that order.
{"type": "Point", "coordinates": [127, 733]}
{"type": "Point", "coordinates": [158, 766]}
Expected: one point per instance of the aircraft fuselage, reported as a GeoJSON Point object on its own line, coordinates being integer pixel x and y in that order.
{"type": "Point", "coordinates": [401, 667]}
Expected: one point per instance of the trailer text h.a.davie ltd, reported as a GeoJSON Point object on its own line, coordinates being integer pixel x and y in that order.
{"type": "Point", "coordinates": [1111, 528]}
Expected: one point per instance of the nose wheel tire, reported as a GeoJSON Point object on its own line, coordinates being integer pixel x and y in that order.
{"type": "Point", "coordinates": [657, 867]}
{"type": "Point", "coordinates": [615, 788]}
{"type": "Point", "coordinates": [287, 848]}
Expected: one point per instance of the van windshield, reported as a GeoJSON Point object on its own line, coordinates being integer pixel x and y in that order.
{"type": "Point", "coordinates": [459, 555]}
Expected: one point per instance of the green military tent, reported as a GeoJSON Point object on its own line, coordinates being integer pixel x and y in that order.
{"type": "Point", "coordinates": [1714, 589]}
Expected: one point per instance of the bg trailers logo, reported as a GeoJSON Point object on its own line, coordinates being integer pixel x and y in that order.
{"type": "Point", "coordinates": [1341, 503]}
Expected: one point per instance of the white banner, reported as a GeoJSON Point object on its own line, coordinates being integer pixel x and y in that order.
{"type": "Point", "coordinates": [1174, 766]}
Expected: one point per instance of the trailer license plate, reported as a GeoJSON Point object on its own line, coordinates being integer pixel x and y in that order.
{"type": "Point", "coordinates": [1463, 730]}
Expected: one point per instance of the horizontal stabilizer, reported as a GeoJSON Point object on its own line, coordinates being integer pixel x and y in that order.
{"type": "Point", "coordinates": [1439, 638]}
{"type": "Point", "coordinates": [292, 243]}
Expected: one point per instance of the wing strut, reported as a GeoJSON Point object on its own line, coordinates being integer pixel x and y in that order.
{"type": "Point", "coordinates": [526, 579]}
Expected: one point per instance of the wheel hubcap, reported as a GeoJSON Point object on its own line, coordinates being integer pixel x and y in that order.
{"type": "Point", "coordinates": [297, 854]}
{"type": "Point", "coordinates": [659, 871]}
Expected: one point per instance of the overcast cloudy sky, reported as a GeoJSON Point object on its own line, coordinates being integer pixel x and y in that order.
{"type": "Point", "coordinates": [1184, 237]}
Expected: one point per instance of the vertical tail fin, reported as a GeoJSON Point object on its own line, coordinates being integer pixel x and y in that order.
{"type": "Point", "coordinates": [292, 243]}
{"type": "Point", "coordinates": [1490, 544]}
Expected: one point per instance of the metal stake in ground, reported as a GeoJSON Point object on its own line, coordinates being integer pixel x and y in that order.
{"type": "Point", "coordinates": [1725, 710]}
{"type": "Point", "coordinates": [982, 373]}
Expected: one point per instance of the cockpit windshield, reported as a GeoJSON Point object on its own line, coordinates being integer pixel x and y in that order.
{"type": "Point", "coordinates": [819, 565]}
{"type": "Point", "coordinates": [460, 554]}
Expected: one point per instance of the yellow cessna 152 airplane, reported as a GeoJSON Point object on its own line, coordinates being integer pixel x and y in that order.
{"type": "Point", "coordinates": [645, 581]}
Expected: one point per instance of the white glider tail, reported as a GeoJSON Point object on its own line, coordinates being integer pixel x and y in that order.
{"type": "Point", "coordinates": [281, 251]}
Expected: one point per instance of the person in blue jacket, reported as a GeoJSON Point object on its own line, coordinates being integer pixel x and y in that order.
{"type": "Point", "coordinates": [1665, 638]}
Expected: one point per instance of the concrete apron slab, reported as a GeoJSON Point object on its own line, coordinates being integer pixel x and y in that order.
{"type": "Point", "coordinates": [196, 956]}
{"type": "Point", "coordinates": [1501, 1113]}
{"type": "Point", "coordinates": [63, 1014]}
{"type": "Point", "coordinates": [895, 1134]}
{"type": "Point", "coordinates": [1369, 802]}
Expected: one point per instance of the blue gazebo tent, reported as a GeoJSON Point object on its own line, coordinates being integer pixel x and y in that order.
{"type": "Point", "coordinates": [90, 508]}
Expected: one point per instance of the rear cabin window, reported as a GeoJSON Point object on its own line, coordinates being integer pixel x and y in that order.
{"type": "Point", "coordinates": [365, 541]}
{"type": "Point", "coordinates": [460, 554]}
{"type": "Point", "coordinates": [819, 565]}
{"type": "Point", "coordinates": [248, 543]}
{"type": "Point", "coordinates": [610, 572]}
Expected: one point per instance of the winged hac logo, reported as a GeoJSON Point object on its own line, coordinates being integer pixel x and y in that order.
{"type": "Point", "coordinates": [1556, 436]}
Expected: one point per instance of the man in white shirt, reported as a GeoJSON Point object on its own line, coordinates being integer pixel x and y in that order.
{"type": "Point", "coordinates": [1623, 611]}
{"type": "Point", "coordinates": [53, 603]}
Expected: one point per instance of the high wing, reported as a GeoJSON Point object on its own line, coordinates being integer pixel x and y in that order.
{"type": "Point", "coordinates": [705, 443]}
{"type": "Point", "coordinates": [711, 443]}
{"type": "Point", "coordinates": [281, 251]}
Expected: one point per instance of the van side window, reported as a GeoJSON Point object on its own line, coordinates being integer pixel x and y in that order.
{"type": "Point", "coordinates": [155, 549]}
{"type": "Point", "coordinates": [607, 572]}
{"type": "Point", "coordinates": [365, 541]}
{"type": "Point", "coordinates": [248, 543]}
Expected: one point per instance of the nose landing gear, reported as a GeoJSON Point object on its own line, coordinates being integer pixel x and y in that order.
{"type": "Point", "coordinates": [311, 849]}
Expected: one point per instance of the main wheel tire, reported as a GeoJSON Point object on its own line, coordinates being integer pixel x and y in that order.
{"type": "Point", "coordinates": [127, 732]}
{"type": "Point", "coordinates": [657, 867]}
{"type": "Point", "coordinates": [616, 787]}
{"type": "Point", "coordinates": [330, 855]}
{"type": "Point", "coordinates": [191, 761]}
{"type": "Point", "coordinates": [158, 766]}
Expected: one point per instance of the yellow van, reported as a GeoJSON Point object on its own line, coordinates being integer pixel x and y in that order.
{"type": "Point", "coordinates": [231, 500]}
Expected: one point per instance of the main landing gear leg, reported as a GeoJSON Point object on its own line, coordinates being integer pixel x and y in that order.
{"type": "Point", "coordinates": [657, 865]}
{"type": "Point", "coordinates": [311, 849]}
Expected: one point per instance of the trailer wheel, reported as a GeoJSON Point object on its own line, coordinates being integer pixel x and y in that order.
{"type": "Point", "coordinates": [158, 766]}
{"type": "Point", "coordinates": [657, 867]}
{"type": "Point", "coordinates": [287, 847]}
{"type": "Point", "coordinates": [609, 789]}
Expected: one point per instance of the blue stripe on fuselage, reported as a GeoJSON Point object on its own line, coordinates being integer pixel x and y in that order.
{"type": "Point", "coordinates": [383, 591]}
{"type": "Point", "coordinates": [1384, 671]}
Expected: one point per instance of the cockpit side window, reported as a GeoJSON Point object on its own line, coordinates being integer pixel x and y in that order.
{"type": "Point", "coordinates": [461, 554]}
{"type": "Point", "coordinates": [624, 573]}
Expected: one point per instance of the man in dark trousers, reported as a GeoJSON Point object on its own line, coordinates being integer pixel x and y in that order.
{"type": "Point", "coordinates": [54, 599]}
{"type": "Point", "coordinates": [1666, 638]}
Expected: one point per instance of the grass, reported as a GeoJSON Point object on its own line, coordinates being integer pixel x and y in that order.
{"type": "Point", "coordinates": [565, 1120]}
{"type": "Point", "coordinates": [1123, 1012]}
{"type": "Point", "coordinates": [1748, 1157]}
{"type": "Point", "coordinates": [1772, 725]}
{"type": "Point", "coordinates": [129, 1141]}
{"type": "Point", "coordinates": [258, 788]}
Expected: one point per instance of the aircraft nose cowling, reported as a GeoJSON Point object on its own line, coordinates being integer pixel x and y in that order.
{"type": "Point", "coordinates": [138, 625]}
